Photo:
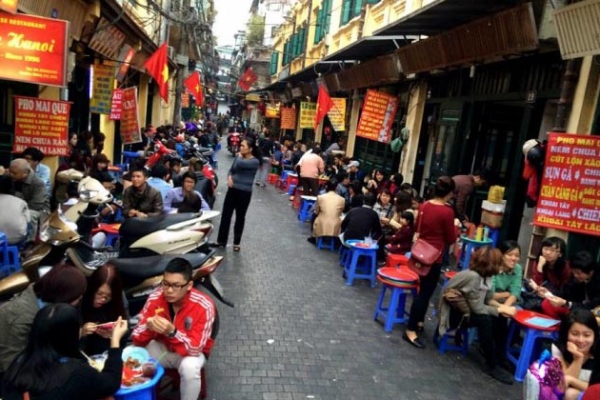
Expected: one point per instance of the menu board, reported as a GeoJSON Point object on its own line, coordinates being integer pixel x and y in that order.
{"type": "Point", "coordinates": [130, 125]}
{"type": "Point", "coordinates": [288, 118]}
{"type": "Point", "coordinates": [116, 105]}
{"type": "Point", "coordinates": [307, 114]}
{"type": "Point", "coordinates": [337, 114]}
{"type": "Point", "coordinates": [378, 112]}
{"type": "Point", "coordinates": [570, 193]}
{"type": "Point", "coordinates": [41, 123]}
{"type": "Point", "coordinates": [102, 89]}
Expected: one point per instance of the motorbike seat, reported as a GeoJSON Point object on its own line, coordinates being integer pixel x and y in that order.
{"type": "Point", "coordinates": [138, 227]}
{"type": "Point", "coordinates": [136, 269]}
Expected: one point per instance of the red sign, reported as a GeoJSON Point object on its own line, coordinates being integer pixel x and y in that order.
{"type": "Point", "coordinates": [43, 124]}
{"type": "Point", "coordinates": [288, 118]}
{"type": "Point", "coordinates": [33, 49]}
{"type": "Point", "coordinates": [570, 194]}
{"type": "Point", "coordinates": [378, 113]}
{"type": "Point", "coordinates": [116, 104]}
{"type": "Point", "coordinates": [130, 126]}
{"type": "Point", "coordinates": [9, 6]}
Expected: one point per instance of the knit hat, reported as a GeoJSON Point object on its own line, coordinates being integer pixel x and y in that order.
{"type": "Point", "coordinates": [62, 284]}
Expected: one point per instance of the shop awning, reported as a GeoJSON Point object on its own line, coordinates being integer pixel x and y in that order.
{"type": "Point", "coordinates": [371, 47]}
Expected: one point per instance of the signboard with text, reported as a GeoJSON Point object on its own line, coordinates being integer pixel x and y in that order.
{"type": "Point", "coordinates": [378, 113]}
{"type": "Point", "coordinates": [130, 125]}
{"type": "Point", "coordinates": [272, 110]}
{"type": "Point", "coordinates": [33, 49]}
{"type": "Point", "coordinates": [570, 193]}
{"type": "Point", "coordinates": [43, 124]}
{"type": "Point", "coordinates": [102, 89]}
{"type": "Point", "coordinates": [307, 115]}
{"type": "Point", "coordinates": [288, 118]}
{"type": "Point", "coordinates": [337, 114]}
{"type": "Point", "coordinates": [9, 6]}
{"type": "Point", "coordinates": [116, 105]}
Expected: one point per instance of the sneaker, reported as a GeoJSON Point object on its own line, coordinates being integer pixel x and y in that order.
{"type": "Point", "coordinates": [501, 375]}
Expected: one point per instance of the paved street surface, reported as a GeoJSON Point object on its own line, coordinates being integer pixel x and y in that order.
{"type": "Point", "coordinates": [298, 332]}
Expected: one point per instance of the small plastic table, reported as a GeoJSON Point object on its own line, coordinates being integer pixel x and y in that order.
{"type": "Point", "coordinates": [468, 247]}
{"type": "Point", "coordinates": [144, 391]}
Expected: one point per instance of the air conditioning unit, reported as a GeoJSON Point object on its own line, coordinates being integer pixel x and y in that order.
{"type": "Point", "coordinates": [171, 52]}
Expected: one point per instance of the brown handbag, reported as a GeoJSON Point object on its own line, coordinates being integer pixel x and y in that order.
{"type": "Point", "coordinates": [422, 254]}
{"type": "Point", "coordinates": [456, 299]}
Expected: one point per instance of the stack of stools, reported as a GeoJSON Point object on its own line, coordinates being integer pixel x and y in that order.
{"type": "Point", "coordinates": [282, 181]}
{"type": "Point", "coordinates": [9, 261]}
{"type": "Point", "coordinates": [362, 262]}
{"type": "Point", "coordinates": [291, 183]}
{"type": "Point", "coordinates": [400, 281]}
{"type": "Point", "coordinates": [297, 193]}
{"type": "Point", "coordinates": [305, 206]}
{"type": "Point", "coordinates": [272, 179]}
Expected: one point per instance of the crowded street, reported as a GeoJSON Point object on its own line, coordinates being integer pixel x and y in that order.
{"type": "Point", "coordinates": [298, 332]}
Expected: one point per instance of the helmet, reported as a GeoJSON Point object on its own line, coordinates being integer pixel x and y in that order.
{"type": "Point", "coordinates": [528, 145]}
{"type": "Point", "coordinates": [536, 156]}
{"type": "Point", "coordinates": [92, 191]}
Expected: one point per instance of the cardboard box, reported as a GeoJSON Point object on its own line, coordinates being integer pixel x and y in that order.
{"type": "Point", "coordinates": [492, 219]}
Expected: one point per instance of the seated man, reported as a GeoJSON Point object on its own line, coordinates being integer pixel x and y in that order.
{"type": "Point", "coordinates": [328, 209]}
{"type": "Point", "coordinates": [159, 178]}
{"type": "Point", "coordinates": [176, 324]}
{"type": "Point", "coordinates": [34, 157]}
{"type": "Point", "coordinates": [140, 199]}
{"type": "Point", "coordinates": [361, 222]}
{"type": "Point", "coordinates": [14, 214]}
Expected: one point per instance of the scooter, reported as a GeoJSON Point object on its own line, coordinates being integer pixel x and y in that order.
{"type": "Point", "coordinates": [233, 140]}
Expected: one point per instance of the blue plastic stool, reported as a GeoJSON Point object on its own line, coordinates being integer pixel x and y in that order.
{"type": "Point", "coordinates": [522, 357]}
{"type": "Point", "coordinates": [305, 206]}
{"type": "Point", "coordinates": [9, 263]}
{"type": "Point", "coordinates": [395, 312]}
{"type": "Point", "coordinates": [290, 190]}
{"type": "Point", "coordinates": [354, 269]}
{"type": "Point", "coordinates": [144, 391]}
{"type": "Point", "coordinates": [129, 155]}
{"type": "Point", "coordinates": [444, 346]}
{"type": "Point", "coordinates": [468, 247]}
{"type": "Point", "coordinates": [345, 252]}
{"type": "Point", "coordinates": [321, 245]}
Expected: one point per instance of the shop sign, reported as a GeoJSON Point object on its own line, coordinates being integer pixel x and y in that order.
{"type": "Point", "coordinates": [43, 124]}
{"type": "Point", "coordinates": [378, 112]}
{"type": "Point", "coordinates": [185, 99]}
{"type": "Point", "coordinates": [33, 49]}
{"type": "Point", "coordinates": [288, 118]}
{"type": "Point", "coordinates": [570, 192]}
{"type": "Point", "coordinates": [130, 125]}
{"type": "Point", "coordinates": [272, 110]}
{"type": "Point", "coordinates": [253, 97]}
{"type": "Point", "coordinates": [337, 114]}
{"type": "Point", "coordinates": [102, 89]}
{"type": "Point", "coordinates": [116, 105]}
{"type": "Point", "coordinates": [125, 57]}
{"type": "Point", "coordinates": [9, 6]}
{"type": "Point", "coordinates": [307, 115]}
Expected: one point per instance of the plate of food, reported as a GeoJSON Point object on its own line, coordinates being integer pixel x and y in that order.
{"type": "Point", "coordinates": [134, 357]}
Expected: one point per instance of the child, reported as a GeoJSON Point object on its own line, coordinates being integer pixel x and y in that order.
{"type": "Point", "coordinates": [402, 240]}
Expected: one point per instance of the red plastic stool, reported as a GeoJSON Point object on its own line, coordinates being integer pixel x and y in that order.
{"type": "Point", "coordinates": [272, 178]}
{"type": "Point", "coordinates": [175, 382]}
{"type": "Point", "coordinates": [393, 260]}
{"type": "Point", "coordinates": [297, 198]}
{"type": "Point", "coordinates": [399, 282]}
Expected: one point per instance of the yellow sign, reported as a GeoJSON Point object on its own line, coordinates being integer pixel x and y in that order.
{"type": "Point", "coordinates": [337, 114]}
{"type": "Point", "coordinates": [253, 97]}
{"type": "Point", "coordinates": [307, 115]}
{"type": "Point", "coordinates": [102, 89]}
{"type": "Point", "coordinates": [272, 110]}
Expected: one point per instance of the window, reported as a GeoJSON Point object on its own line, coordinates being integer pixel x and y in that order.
{"type": "Point", "coordinates": [323, 21]}
{"type": "Point", "coordinates": [274, 62]}
{"type": "Point", "coordinates": [351, 9]}
{"type": "Point", "coordinates": [287, 52]}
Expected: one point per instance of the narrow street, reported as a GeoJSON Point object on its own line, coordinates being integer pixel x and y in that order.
{"type": "Point", "coordinates": [298, 332]}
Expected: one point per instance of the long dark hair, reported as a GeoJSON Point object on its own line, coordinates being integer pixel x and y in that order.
{"type": "Point", "coordinates": [105, 274]}
{"type": "Point", "coordinates": [256, 152]}
{"type": "Point", "coordinates": [54, 335]}
{"type": "Point", "coordinates": [576, 316]}
{"type": "Point", "coordinates": [561, 245]}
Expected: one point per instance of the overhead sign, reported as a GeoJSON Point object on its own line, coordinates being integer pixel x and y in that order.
{"type": "Point", "coordinates": [43, 124]}
{"type": "Point", "coordinates": [337, 114]}
{"type": "Point", "coordinates": [378, 113]}
{"type": "Point", "coordinates": [570, 193]}
{"type": "Point", "coordinates": [33, 49]}
{"type": "Point", "coordinates": [307, 115]}
{"type": "Point", "coordinates": [102, 88]}
{"type": "Point", "coordinates": [130, 125]}
{"type": "Point", "coordinates": [9, 6]}
{"type": "Point", "coordinates": [288, 118]}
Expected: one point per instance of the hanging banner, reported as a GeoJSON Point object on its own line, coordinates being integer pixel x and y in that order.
{"type": "Point", "coordinates": [378, 112]}
{"type": "Point", "coordinates": [570, 193]}
{"type": "Point", "coordinates": [272, 110]}
{"type": "Point", "coordinates": [185, 99]}
{"type": "Point", "coordinates": [307, 115]}
{"type": "Point", "coordinates": [288, 118]}
{"type": "Point", "coordinates": [43, 124]}
{"type": "Point", "coordinates": [9, 6]}
{"type": "Point", "coordinates": [102, 88]}
{"type": "Point", "coordinates": [130, 125]}
{"type": "Point", "coordinates": [337, 114]}
{"type": "Point", "coordinates": [33, 49]}
{"type": "Point", "coordinates": [125, 57]}
{"type": "Point", "coordinates": [116, 105]}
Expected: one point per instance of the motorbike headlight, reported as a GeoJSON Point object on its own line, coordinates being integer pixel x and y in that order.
{"type": "Point", "coordinates": [87, 195]}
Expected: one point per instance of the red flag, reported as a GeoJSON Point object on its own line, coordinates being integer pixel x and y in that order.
{"type": "Point", "coordinates": [247, 79]}
{"type": "Point", "coordinates": [159, 70]}
{"type": "Point", "coordinates": [324, 104]}
{"type": "Point", "coordinates": [192, 83]}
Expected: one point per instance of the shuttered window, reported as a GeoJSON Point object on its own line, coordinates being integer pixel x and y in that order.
{"type": "Point", "coordinates": [274, 62]}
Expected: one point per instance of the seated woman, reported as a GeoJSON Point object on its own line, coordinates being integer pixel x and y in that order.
{"type": "Point", "coordinates": [185, 195]}
{"type": "Point", "coordinates": [401, 242]}
{"type": "Point", "coordinates": [377, 182]}
{"type": "Point", "coordinates": [52, 367]}
{"type": "Point", "coordinates": [384, 206]}
{"type": "Point", "coordinates": [474, 285]}
{"type": "Point", "coordinates": [328, 209]}
{"type": "Point", "coordinates": [574, 348]}
{"type": "Point", "coordinates": [101, 305]}
{"type": "Point", "coordinates": [551, 273]}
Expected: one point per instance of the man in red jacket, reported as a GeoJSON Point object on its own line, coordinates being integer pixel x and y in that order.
{"type": "Point", "coordinates": [176, 324]}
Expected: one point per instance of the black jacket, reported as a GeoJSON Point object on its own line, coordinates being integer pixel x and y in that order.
{"type": "Point", "coordinates": [361, 222]}
{"type": "Point", "coordinates": [583, 294]}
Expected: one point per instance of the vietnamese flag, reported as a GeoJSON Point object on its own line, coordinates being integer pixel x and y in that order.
{"type": "Point", "coordinates": [324, 104]}
{"type": "Point", "coordinates": [247, 79]}
{"type": "Point", "coordinates": [192, 83]}
{"type": "Point", "coordinates": [159, 70]}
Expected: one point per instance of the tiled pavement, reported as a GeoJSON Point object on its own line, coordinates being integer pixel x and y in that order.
{"type": "Point", "coordinates": [298, 332]}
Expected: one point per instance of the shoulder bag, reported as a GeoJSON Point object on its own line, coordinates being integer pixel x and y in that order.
{"type": "Point", "coordinates": [422, 255]}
